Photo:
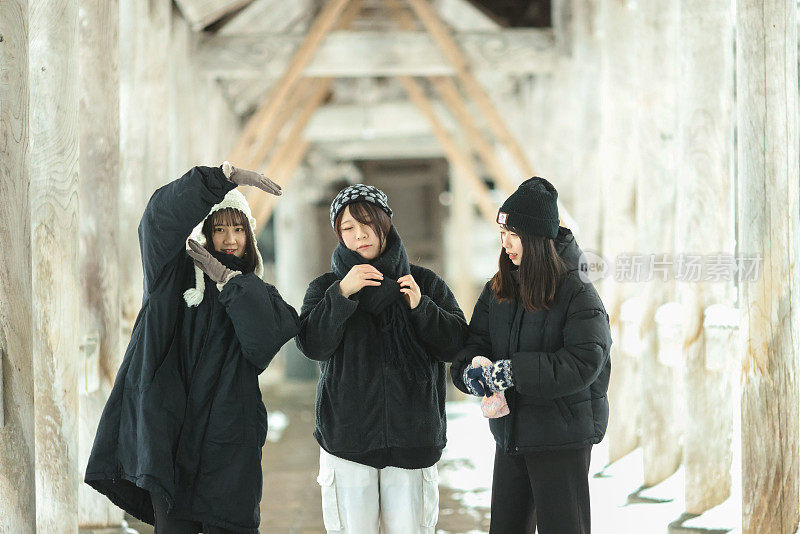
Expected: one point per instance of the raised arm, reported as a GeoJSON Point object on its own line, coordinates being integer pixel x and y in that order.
{"type": "Point", "coordinates": [171, 214]}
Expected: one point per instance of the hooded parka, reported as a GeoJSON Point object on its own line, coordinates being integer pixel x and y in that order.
{"type": "Point", "coordinates": [559, 359]}
{"type": "Point", "coordinates": [185, 419]}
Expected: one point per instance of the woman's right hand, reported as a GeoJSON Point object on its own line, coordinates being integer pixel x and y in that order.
{"type": "Point", "coordinates": [358, 277]}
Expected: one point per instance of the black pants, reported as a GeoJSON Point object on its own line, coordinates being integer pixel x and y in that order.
{"type": "Point", "coordinates": [545, 489]}
{"type": "Point", "coordinates": [169, 525]}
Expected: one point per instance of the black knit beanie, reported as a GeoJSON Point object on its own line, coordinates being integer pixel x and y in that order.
{"type": "Point", "coordinates": [359, 193]}
{"type": "Point", "coordinates": [532, 208]}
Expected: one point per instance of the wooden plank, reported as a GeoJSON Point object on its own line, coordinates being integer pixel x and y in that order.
{"type": "Point", "coordinates": [766, 116]}
{"type": "Point", "coordinates": [275, 16]}
{"type": "Point", "coordinates": [292, 158]}
{"type": "Point", "coordinates": [657, 45]}
{"type": "Point", "coordinates": [419, 146]}
{"type": "Point", "coordinates": [451, 50]}
{"type": "Point", "coordinates": [256, 197]}
{"type": "Point", "coordinates": [302, 56]}
{"type": "Point", "coordinates": [99, 185]}
{"type": "Point", "coordinates": [201, 13]}
{"type": "Point", "coordinates": [266, 139]}
{"type": "Point", "coordinates": [17, 443]}
{"type": "Point", "coordinates": [354, 53]}
{"type": "Point", "coordinates": [455, 154]}
{"type": "Point", "coordinates": [449, 92]}
{"type": "Point", "coordinates": [705, 156]}
{"type": "Point", "coordinates": [54, 257]}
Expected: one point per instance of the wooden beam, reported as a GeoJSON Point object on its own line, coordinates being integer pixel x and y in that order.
{"type": "Point", "coordinates": [266, 138]}
{"type": "Point", "coordinates": [455, 155]}
{"type": "Point", "coordinates": [356, 53]}
{"type": "Point", "coordinates": [17, 444]}
{"type": "Point", "coordinates": [54, 264]}
{"type": "Point", "coordinates": [452, 98]}
{"type": "Point", "coordinates": [302, 56]}
{"type": "Point", "coordinates": [284, 174]}
{"type": "Point", "coordinates": [319, 93]}
{"type": "Point", "coordinates": [391, 119]}
{"type": "Point", "coordinates": [451, 50]}
{"type": "Point", "coordinates": [418, 146]}
{"type": "Point", "coordinates": [275, 16]}
{"type": "Point", "coordinates": [201, 13]}
{"type": "Point", "coordinates": [768, 227]}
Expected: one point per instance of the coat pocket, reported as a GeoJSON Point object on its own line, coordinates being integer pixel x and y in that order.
{"type": "Point", "coordinates": [330, 503]}
{"type": "Point", "coordinates": [430, 496]}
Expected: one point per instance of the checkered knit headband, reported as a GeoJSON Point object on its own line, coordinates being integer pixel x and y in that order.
{"type": "Point", "coordinates": [359, 193]}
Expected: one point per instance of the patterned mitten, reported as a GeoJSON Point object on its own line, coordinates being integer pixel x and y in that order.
{"type": "Point", "coordinates": [498, 377]}
{"type": "Point", "coordinates": [475, 382]}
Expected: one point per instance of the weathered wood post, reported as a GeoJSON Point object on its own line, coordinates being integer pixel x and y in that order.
{"type": "Point", "coordinates": [766, 117]}
{"type": "Point", "coordinates": [17, 479]}
{"type": "Point", "coordinates": [618, 148]}
{"type": "Point", "coordinates": [703, 232]}
{"type": "Point", "coordinates": [54, 258]}
{"type": "Point", "coordinates": [657, 67]}
{"type": "Point", "coordinates": [100, 314]}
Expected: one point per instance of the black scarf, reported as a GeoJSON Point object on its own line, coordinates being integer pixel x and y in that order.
{"type": "Point", "coordinates": [230, 261]}
{"type": "Point", "coordinates": [387, 303]}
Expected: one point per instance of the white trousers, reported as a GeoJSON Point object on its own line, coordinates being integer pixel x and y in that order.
{"type": "Point", "coordinates": [358, 499]}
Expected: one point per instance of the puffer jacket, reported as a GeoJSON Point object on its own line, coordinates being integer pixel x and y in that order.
{"type": "Point", "coordinates": [560, 359]}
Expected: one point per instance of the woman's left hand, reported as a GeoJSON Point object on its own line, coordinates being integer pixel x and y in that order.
{"type": "Point", "coordinates": [410, 290]}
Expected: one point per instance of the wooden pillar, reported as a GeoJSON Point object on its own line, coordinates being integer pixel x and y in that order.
{"type": "Point", "coordinates": [17, 482]}
{"type": "Point", "coordinates": [296, 236]}
{"type": "Point", "coordinates": [585, 169]}
{"type": "Point", "coordinates": [134, 186]}
{"type": "Point", "coordinates": [704, 210]}
{"type": "Point", "coordinates": [54, 258]}
{"type": "Point", "coordinates": [101, 351]}
{"type": "Point", "coordinates": [766, 116]}
{"type": "Point", "coordinates": [657, 68]}
{"type": "Point", "coordinates": [618, 147]}
{"type": "Point", "coordinates": [458, 263]}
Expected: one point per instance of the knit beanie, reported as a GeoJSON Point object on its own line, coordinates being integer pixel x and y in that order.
{"type": "Point", "coordinates": [359, 193]}
{"type": "Point", "coordinates": [234, 199]}
{"type": "Point", "coordinates": [532, 208]}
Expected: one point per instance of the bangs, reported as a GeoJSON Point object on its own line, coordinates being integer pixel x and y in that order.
{"type": "Point", "coordinates": [362, 212]}
{"type": "Point", "coordinates": [229, 217]}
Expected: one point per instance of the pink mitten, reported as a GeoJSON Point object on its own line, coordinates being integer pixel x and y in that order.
{"type": "Point", "coordinates": [494, 406]}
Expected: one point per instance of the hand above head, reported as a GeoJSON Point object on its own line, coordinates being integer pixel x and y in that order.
{"type": "Point", "coordinates": [410, 290]}
{"type": "Point", "coordinates": [256, 179]}
{"type": "Point", "coordinates": [359, 277]}
{"type": "Point", "coordinates": [209, 264]}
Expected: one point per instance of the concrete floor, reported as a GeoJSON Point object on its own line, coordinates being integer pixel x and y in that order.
{"type": "Point", "coordinates": [291, 499]}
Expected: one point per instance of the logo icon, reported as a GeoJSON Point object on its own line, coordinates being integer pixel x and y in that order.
{"type": "Point", "coordinates": [592, 267]}
{"type": "Point", "coordinates": [502, 217]}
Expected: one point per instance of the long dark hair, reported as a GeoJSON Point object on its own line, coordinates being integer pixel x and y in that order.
{"type": "Point", "coordinates": [540, 273]}
{"type": "Point", "coordinates": [232, 217]}
{"type": "Point", "coordinates": [369, 214]}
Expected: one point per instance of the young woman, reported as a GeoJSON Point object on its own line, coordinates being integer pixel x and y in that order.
{"type": "Point", "coordinates": [547, 333]}
{"type": "Point", "coordinates": [179, 442]}
{"type": "Point", "coordinates": [381, 330]}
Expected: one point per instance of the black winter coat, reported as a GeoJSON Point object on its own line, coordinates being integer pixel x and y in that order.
{"type": "Point", "coordinates": [559, 359]}
{"type": "Point", "coordinates": [363, 404]}
{"type": "Point", "coordinates": [185, 418]}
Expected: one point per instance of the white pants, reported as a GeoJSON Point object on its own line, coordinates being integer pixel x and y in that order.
{"type": "Point", "coordinates": [358, 499]}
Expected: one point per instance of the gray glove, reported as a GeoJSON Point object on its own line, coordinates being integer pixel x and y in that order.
{"type": "Point", "coordinates": [256, 179]}
{"type": "Point", "coordinates": [209, 264]}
